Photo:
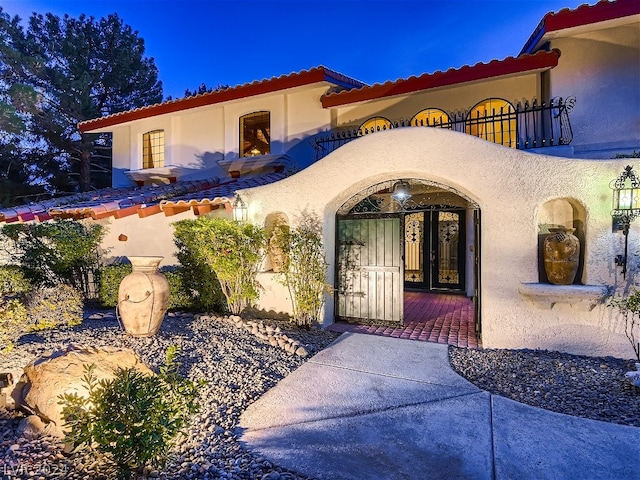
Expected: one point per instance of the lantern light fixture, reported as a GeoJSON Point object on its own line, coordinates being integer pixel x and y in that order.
{"type": "Point", "coordinates": [401, 192]}
{"type": "Point", "coordinates": [240, 210]}
{"type": "Point", "coordinates": [626, 208]}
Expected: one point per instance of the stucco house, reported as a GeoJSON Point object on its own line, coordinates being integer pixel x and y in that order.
{"type": "Point", "coordinates": [442, 182]}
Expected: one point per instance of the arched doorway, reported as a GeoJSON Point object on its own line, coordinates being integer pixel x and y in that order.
{"type": "Point", "coordinates": [404, 235]}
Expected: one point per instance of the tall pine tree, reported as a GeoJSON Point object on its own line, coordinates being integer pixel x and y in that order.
{"type": "Point", "coordinates": [57, 72]}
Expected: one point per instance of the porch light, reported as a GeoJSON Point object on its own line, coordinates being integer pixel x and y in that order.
{"type": "Point", "coordinates": [626, 208]}
{"type": "Point", "coordinates": [401, 192]}
{"type": "Point", "coordinates": [240, 210]}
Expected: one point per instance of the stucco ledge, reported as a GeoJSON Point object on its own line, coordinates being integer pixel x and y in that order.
{"type": "Point", "coordinates": [546, 295]}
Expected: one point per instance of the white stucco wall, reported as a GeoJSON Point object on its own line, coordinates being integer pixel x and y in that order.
{"type": "Point", "coordinates": [601, 69]}
{"type": "Point", "coordinates": [510, 186]}
{"type": "Point", "coordinates": [450, 99]}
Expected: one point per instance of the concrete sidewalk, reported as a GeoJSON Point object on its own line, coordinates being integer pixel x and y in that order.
{"type": "Point", "coordinates": [378, 408]}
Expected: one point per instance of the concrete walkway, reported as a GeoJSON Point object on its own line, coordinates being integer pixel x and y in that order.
{"type": "Point", "coordinates": [380, 408]}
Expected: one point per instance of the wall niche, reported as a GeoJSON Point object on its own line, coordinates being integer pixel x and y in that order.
{"type": "Point", "coordinates": [562, 212]}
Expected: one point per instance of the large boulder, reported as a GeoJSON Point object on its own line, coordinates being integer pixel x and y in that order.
{"type": "Point", "coordinates": [61, 372]}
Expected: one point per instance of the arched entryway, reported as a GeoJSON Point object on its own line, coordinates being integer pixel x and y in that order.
{"type": "Point", "coordinates": [402, 247]}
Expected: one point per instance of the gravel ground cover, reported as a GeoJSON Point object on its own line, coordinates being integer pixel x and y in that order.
{"type": "Point", "coordinates": [240, 368]}
{"type": "Point", "coordinates": [589, 387]}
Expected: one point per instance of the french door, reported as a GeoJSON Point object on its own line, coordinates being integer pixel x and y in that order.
{"type": "Point", "coordinates": [434, 250]}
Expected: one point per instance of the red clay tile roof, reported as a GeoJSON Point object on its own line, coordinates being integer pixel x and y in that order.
{"type": "Point", "coordinates": [583, 15]}
{"type": "Point", "coordinates": [145, 201]}
{"type": "Point", "coordinates": [479, 71]}
{"type": "Point", "coordinates": [296, 79]}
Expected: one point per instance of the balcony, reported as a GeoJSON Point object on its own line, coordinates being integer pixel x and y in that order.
{"type": "Point", "coordinates": [523, 126]}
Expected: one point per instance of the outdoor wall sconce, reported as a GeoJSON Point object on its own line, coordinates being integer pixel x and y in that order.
{"type": "Point", "coordinates": [401, 192]}
{"type": "Point", "coordinates": [240, 210]}
{"type": "Point", "coordinates": [626, 208]}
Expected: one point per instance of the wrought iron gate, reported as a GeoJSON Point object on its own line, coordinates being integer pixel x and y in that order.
{"type": "Point", "coordinates": [370, 268]}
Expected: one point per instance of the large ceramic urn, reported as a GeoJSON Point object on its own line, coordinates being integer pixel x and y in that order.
{"type": "Point", "coordinates": [561, 255]}
{"type": "Point", "coordinates": [143, 297]}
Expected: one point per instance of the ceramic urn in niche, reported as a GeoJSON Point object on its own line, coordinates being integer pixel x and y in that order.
{"type": "Point", "coordinates": [143, 297]}
{"type": "Point", "coordinates": [561, 255]}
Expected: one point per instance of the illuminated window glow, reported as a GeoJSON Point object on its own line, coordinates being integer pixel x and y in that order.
{"type": "Point", "coordinates": [153, 149]}
{"type": "Point", "coordinates": [255, 134]}
{"type": "Point", "coordinates": [494, 120]}
{"type": "Point", "coordinates": [431, 117]}
{"type": "Point", "coordinates": [375, 124]}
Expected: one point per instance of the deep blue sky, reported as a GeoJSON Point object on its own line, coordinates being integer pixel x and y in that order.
{"type": "Point", "coordinates": [231, 42]}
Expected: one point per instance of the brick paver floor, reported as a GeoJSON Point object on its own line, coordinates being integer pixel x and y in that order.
{"type": "Point", "coordinates": [428, 317]}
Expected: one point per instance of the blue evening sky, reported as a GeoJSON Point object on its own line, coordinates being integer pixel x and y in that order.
{"type": "Point", "coordinates": [231, 42]}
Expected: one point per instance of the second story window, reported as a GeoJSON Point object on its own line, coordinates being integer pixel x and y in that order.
{"type": "Point", "coordinates": [153, 149]}
{"type": "Point", "coordinates": [494, 120]}
{"type": "Point", "coordinates": [375, 124]}
{"type": "Point", "coordinates": [255, 134]}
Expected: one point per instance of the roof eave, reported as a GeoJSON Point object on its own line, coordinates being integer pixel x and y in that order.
{"type": "Point", "coordinates": [483, 71]}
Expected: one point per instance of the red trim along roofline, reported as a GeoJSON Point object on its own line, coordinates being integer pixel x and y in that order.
{"type": "Point", "coordinates": [296, 79]}
{"type": "Point", "coordinates": [583, 15]}
{"type": "Point", "coordinates": [479, 71]}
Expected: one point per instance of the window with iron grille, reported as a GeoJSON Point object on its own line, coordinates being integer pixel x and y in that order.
{"type": "Point", "coordinates": [494, 120]}
{"type": "Point", "coordinates": [153, 149]}
{"type": "Point", "coordinates": [255, 134]}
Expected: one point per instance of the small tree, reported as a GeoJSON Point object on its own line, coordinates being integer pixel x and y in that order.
{"type": "Point", "coordinates": [234, 251]}
{"type": "Point", "coordinates": [304, 269]}
{"type": "Point", "coordinates": [629, 307]}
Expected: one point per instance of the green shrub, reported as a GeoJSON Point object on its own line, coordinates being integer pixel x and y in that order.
{"type": "Point", "coordinates": [50, 307]}
{"type": "Point", "coordinates": [179, 297]}
{"type": "Point", "coordinates": [13, 281]}
{"type": "Point", "coordinates": [13, 316]}
{"type": "Point", "coordinates": [109, 278]}
{"type": "Point", "coordinates": [198, 278]}
{"type": "Point", "coordinates": [63, 251]}
{"type": "Point", "coordinates": [232, 250]}
{"type": "Point", "coordinates": [304, 268]}
{"type": "Point", "coordinates": [133, 418]}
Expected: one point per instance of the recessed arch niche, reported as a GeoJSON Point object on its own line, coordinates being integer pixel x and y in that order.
{"type": "Point", "coordinates": [565, 212]}
{"type": "Point", "coordinates": [273, 222]}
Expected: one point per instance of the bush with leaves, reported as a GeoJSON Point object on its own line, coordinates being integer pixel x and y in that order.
{"type": "Point", "coordinates": [133, 418]}
{"type": "Point", "coordinates": [50, 307]}
{"type": "Point", "coordinates": [629, 306]}
{"type": "Point", "coordinates": [232, 250]}
{"type": "Point", "coordinates": [304, 267]}
{"type": "Point", "coordinates": [109, 279]}
{"type": "Point", "coordinates": [13, 316]}
{"type": "Point", "coordinates": [13, 281]}
{"type": "Point", "coordinates": [64, 251]}
{"type": "Point", "coordinates": [199, 280]}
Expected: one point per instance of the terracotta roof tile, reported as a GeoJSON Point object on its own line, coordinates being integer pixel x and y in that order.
{"type": "Point", "coordinates": [479, 71]}
{"type": "Point", "coordinates": [295, 79]}
{"type": "Point", "coordinates": [583, 15]}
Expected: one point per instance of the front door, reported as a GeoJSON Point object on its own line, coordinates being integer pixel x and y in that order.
{"type": "Point", "coordinates": [434, 250]}
{"type": "Point", "coordinates": [369, 268]}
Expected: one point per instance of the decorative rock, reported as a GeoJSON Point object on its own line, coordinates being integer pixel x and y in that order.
{"type": "Point", "coordinates": [302, 352]}
{"type": "Point", "coordinates": [634, 377]}
{"type": "Point", "coordinates": [48, 377]}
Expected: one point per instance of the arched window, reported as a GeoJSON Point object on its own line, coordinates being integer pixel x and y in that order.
{"type": "Point", "coordinates": [255, 134]}
{"type": "Point", "coordinates": [153, 149]}
{"type": "Point", "coordinates": [494, 120]}
{"type": "Point", "coordinates": [431, 117]}
{"type": "Point", "coordinates": [375, 124]}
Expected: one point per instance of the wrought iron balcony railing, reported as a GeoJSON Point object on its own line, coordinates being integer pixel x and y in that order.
{"type": "Point", "coordinates": [525, 126]}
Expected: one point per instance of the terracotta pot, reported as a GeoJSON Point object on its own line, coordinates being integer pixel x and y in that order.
{"type": "Point", "coordinates": [561, 255]}
{"type": "Point", "coordinates": [143, 297]}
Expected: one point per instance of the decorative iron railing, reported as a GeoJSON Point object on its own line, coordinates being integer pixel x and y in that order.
{"type": "Point", "coordinates": [525, 126]}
